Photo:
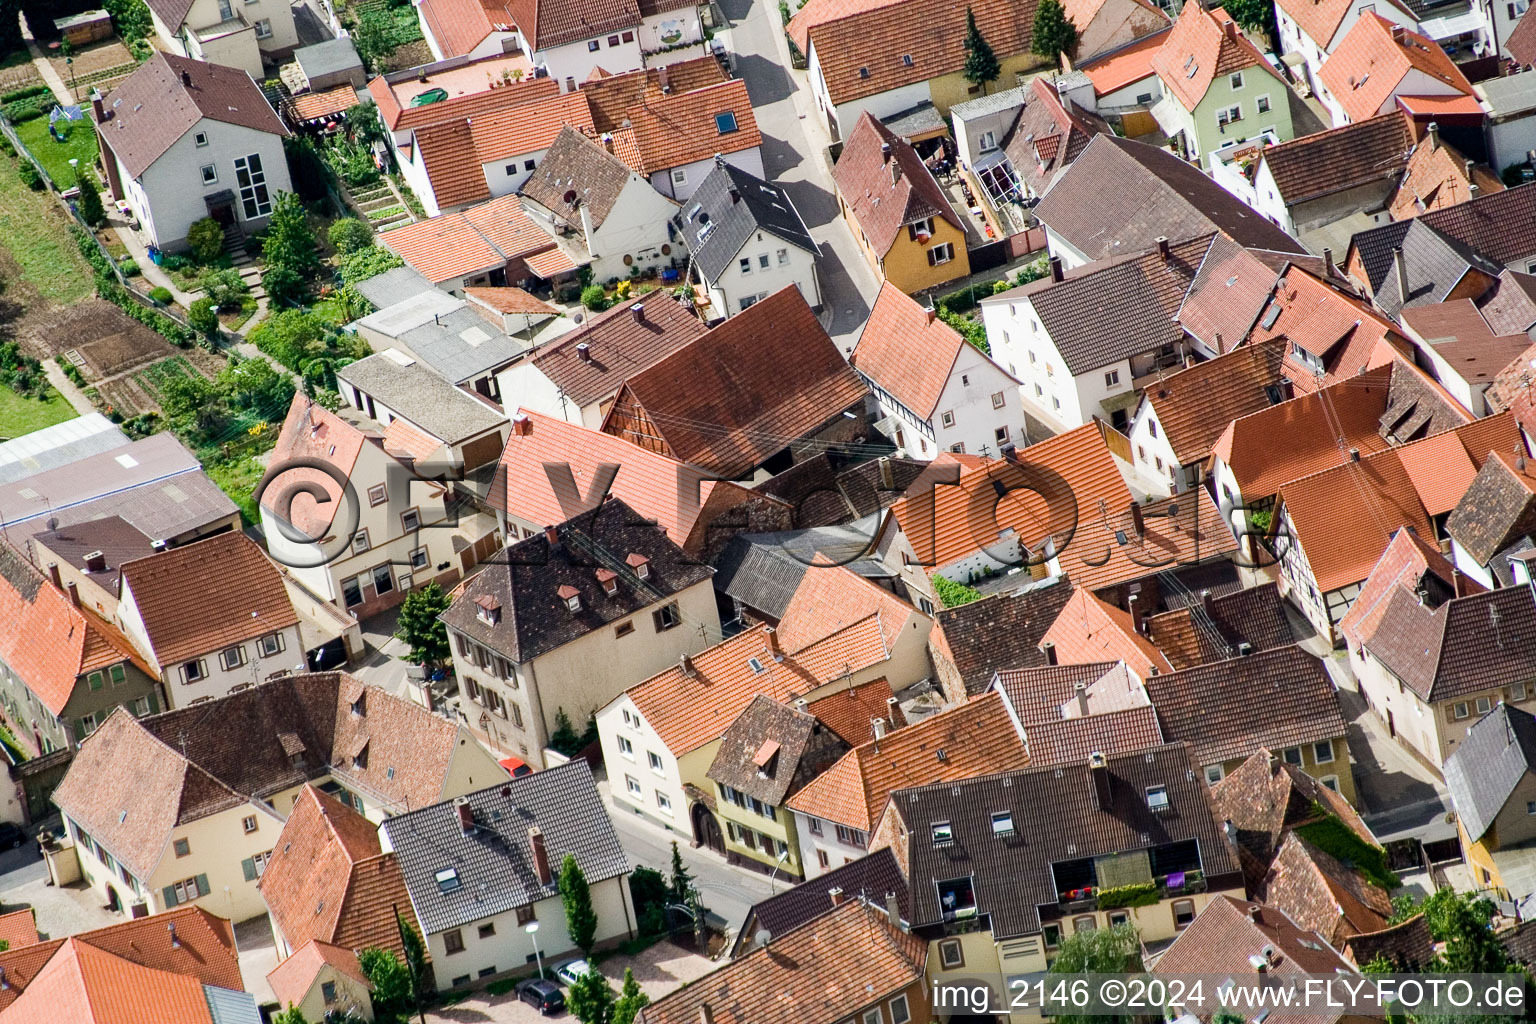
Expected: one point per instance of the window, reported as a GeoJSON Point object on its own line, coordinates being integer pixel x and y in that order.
{"type": "Point", "coordinates": [232, 657]}
{"type": "Point", "coordinates": [941, 254]}
{"type": "Point", "coordinates": [140, 707]}
{"type": "Point", "coordinates": [988, 142]}
{"type": "Point", "coordinates": [851, 837]}
{"type": "Point", "coordinates": [1229, 115]}
{"type": "Point", "coordinates": [254, 197]}
{"type": "Point", "coordinates": [410, 520]}
{"type": "Point", "coordinates": [1530, 807]}
{"type": "Point", "coordinates": [264, 29]}
{"type": "Point", "coordinates": [248, 824]}
{"type": "Point", "coordinates": [815, 825]}
{"type": "Point", "coordinates": [1085, 923]}
{"type": "Point", "coordinates": [200, 139]}
{"type": "Point", "coordinates": [613, 40]}
{"type": "Point", "coordinates": [453, 941]}
{"type": "Point", "coordinates": [783, 257]}
{"type": "Point", "coordinates": [1461, 710]}
{"type": "Point", "coordinates": [119, 675]}
{"type": "Point", "coordinates": [1322, 752]}
{"type": "Point", "coordinates": [900, 1012]}
{"type": "Point", "coordinates": [654, 760]}
{"type": "Point", "coordinates": [948, 419]}
{"type": "Point", "coordinates": [1152, 427]}
{"type": "Point", "coordinates": [663, 802]}
{"type": "Point", "coordinates": [593, 45]}
{"type": "Point", "coordinates": [448, 880]}
{"type": "Point", "coordinates": [822, 858]}
{"type": "Point", "coordinates": [623, 629]}
{"type": "Point", "coordinates": [418, 559]}
{"type": "Point", "coordinates": [1157, 798]}
{"type": "Point", "coordinates": [1119, 917]}
{"type": "Point", "coordinates": [1516, 692]}
{"type": "Point", "coordinates": [195, 671]}
{"type": "Point", "coordinates": [1112, 378]}
{"type": "Point", "coordinates": [1214, 773]}
{"type": "Point", "coordinates": [998, 400]}
{"type": "Point", "coordinates": [210, 174]}
{"type": "Point", "coordinates": [626, 748]}
{"type": "Point", "coordinates": [951, 954]}
{"type": "Point", "coordinates": [679, 176]}
{"type": "Point", "coordinates": [762, 261]}
{"type": "Point", "coordinates": [182, 848]}
{"type": "Point", "coordinates": [943, 833]}
{"type": "Point", "coordinates": [725, 122]}
{"type": "Point", "coordinates": [1236, 80]}
{"type": "Point", "coordinates": [1002, 434]}
{"type": "Point", "coordinates": [1331, 781]}
{"type": "Point", "coordinates": [633, 785]}
{"type": "Point", "coordinates": [1484, 705]}
{"type": "Point", "coordinates": [526, 915]}
{"type": "Point", "coordinates": [485, 931]}
{"type": "Point", "coordinates": [1052, 935]}
{"type": "Point", "coordinates": [1263, 104]}
{"type": "Point", "coordinates": [667, 617]}
{"type": "Point", "coordinates": [95, 680]}
{"type": "Point", "coordinates": [629, 37]}
{"type": "Point", "coordinates": [352, 591]}
{"type": "Point", "coordinates": [872, 1016]}
{"type": "Point", "coordinates": [328, 992]}
{"type": "Point", "coordinates": [1002, 823]}
{"type": "Point", "coordinates": [360, 541]}
{"type": "Point", "coordinates": [920, 230]}
{"type": "Point", "coordinates": [1183, 913]}
{"type": "Point", "coordinates": [383, 583]}
{"type": "Point", "coordinates": [186, 890]}
{"type": "Point", "coordinates": [1293, 756]}
{"type": "Point", "coordinates": [269, 645]}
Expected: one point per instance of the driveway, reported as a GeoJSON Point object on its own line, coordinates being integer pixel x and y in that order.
{"type": "Point", "coordinates": [382, 665]}
{"type": "Point", "coordinates": [1398, 796]}
{"type": "Point", "coordinates": [60, 911]}
{"type": "Point", "coordinates": [257, 951]}
{"type": "Point", "coordinates": [659, 970]}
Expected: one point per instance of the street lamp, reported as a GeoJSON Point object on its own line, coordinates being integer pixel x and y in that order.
{"type": "Point", "coordinates": [783, 855]}
{"type": "Point", "coordinates": [532, 928]}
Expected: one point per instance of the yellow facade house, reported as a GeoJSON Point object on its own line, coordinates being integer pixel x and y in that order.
{"type": "Point", "coordinates": [1492, 779]}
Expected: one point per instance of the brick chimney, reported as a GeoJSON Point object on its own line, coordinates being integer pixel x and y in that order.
{"type": "Point", "coordinates": [1138, 521]}
{"type": "Point", "coordinates": [1080, 692]}
{"type": "Point", "coordinates": [74, 593]}
{"type": "Point", "coordinates": [1048, 648]}
{"type": "Point", "coordinates": [1162, 240]}
{"type": "Point", "coordinates": [53, 574]}
{"type": "Point", "coordinates": [552, 535]}
{"type": "Point", "coordinates": [1098, 774]}
{"type": "Point", "coordinates": [466, 815]}
{"type": "Point", "coordinates": [838, 896]}
{"type": "Point", "coordinates": [522, 425]}
{"type": "Point", "coordinates": [540, 855]}
{"type": "Point", "coordinates": [638, 312]}
{"type": "Point", "coordinates": [1055, 265]}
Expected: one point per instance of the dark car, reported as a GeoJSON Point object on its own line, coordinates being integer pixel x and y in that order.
{"type": "Point", "coordinates": [545, 996]}
{"type": "Point", "coordinates": [11, 835]}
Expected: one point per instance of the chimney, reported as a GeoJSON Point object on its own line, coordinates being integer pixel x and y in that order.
{"type": "Point", "coordinates": [1354, 455]}
{"type": "Point", "coordinates": [171, 930]}
{"type": "Point", "coordinates": [1253, 913]}
{"type": "Point", "coordinates": [893, 909]}
{"type": "Point", "coordinates": [1048, 648]}
{"type": "Point", "coordinates": [186, 79]}
{"type": "Point", "coordinates": [1216, 341]}
{"type": "Point", "coordinates": [1162, 240]}
{"type": "Point", "coordinates": [97, 110]}
{"type": "Point", "coordinates": [1080, 691]}
{"type": "Point", "coordinates": [1231, 27]}
{"type": "Point", "coordinates": [522, 425]}
{"type": "Point", "coordinates": [895, 166]}
{"type": "Point", "coordinates": [1055, 265]}
{"type": "Point", "coordinates": [584, 352]}
{"type": "Point", "coordinates": [801, 704]}
{"type": "Point", "coordinates": [1134, 607]}
{"type": "Point", "coordinates": [837, 895]}
{"type": "Point", "coordinates": [705, 1014]}
{"type": "Point", "coordinates": [1467, 167]}
{"type": "Point", "coordinates": [608, 141]}
{"type": "Point", "coordinates": [1098, 772]}
{"type": "Point", "coordinates": [735, 196]}
{"type": "Point", "coordinates": [587, 228]}
{"type": "Point", "coordinates": [637, 311]}
{"type": "Point", "coordinates": [892, 709]}
{"type": "Point", "coordinates": [53, 574]}
{"type": "Point", "coordinates": [931, 313]}
{"type": "Point", "coordinates": [1327, 261]}
{"type": "Point", "coordinates": [466, 815]}
{"type": "Point", "coordinates": [664, 79]}
{"type": "Point", "coordinates": [1401, 267]}
{"type": "Point", "coordinates": [1259, 963]}
{"type": "Point", "coordinates": [885, 152]}
{"type": "Point", "coordinates": [686, 664]}
{"type": "Point", "coordinates": [1206, 601]}
{"type": "Point", "coordinates": [877, 726]}
{"type": "Point", "coordinates": [540, 855]}
{"type": "Point", "coordinates": [95, 561]}
{"type": "Point", "coordinates": [1458, 582]}
{"type": "Point", "coordinates": [1137, 520]}
{"type": "Point", "coordinates": [552, 536]}
{"type": "Point", "coordinates": [74, 593]}
{"type": "Point", "coordinates": [887, 474]}
{"type": "Point", "coordinates": [1400, 37]}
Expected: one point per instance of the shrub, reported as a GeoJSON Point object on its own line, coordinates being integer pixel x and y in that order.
{"type": "Point", "coordinates": [204, 317]}
{"type": "Point", "coordinates": [349, 235]}
{"type": "Point", "coordinates": [162, 295]}
{"type": "Point", "coordinates": [19, 111]}
{"type": "Point", "coordinates": [225, 288]}
{"type": "Point", "coordinates": [29, 176]}
{"type": "Point", "coordinates": [368, 262]}
{"type": "Point", "coordinates": [90, 207]}
{"type": "Point", "coordinates": [284, 283]}
{"type": "Point", "coordinates": [27, 92]}
{"type": "Point", "coordinates": [593, 297]}
{"type": "Point", "coordinates": [206, 237]}
{"type": "Point", "coordinates": [175, 261]}
{"type": "Point", "coordinates": [129, 267]}
{"type": "Point", "coordinates": [952, 594]}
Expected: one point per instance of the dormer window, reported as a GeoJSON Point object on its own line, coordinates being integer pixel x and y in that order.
{"type": "Point", "coordinates": [610, 581]}
{"type": "Point", "coordinates": [1157, 798]}
{"type": "Point", "coordinates": [943, 834]}
{"type": "Point", "coordinates": [640, 564]}
{"type": "Point", "coordinates": [488, 609]}
{"type": "Point", "coordinates": [571, 596]}
{"type": "Point", "coordinates": [1002, 823]}
{"type": "Point", "coordinates": [448, 880]}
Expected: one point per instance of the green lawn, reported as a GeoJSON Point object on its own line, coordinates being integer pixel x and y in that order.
{"type": "Point", "coordinates": [20, 415]}
{"type": "Point", "coordinates": [55, 156]}
{"type": "Point", "coordinates": [238, 478]}
{"type": "Point", "coordinates": [33, 230]}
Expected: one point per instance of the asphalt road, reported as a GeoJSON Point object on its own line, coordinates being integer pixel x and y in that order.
{"type": "Point", "coordinates": [20, 866]}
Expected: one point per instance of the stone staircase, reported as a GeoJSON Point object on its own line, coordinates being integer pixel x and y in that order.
{"type": "Point", "coordinates": [250, 272]}
{"type": "Point", "coordinates": [383, 208]}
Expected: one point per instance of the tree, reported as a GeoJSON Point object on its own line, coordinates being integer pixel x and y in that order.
{"type": "Point", "coordinates": [1256, 15]}
{"type": "Point", "coordinates": [206, 237]}
{"type": "Point", "coordinates": [415, 954]}
{"type": "Point", "coordinates": [576, 897]}
{"type": "Point", "coordinates": [90, 198]}
{"type": "Point", "coordinates": [564, 738]}
{"type": "Point", "coordinates": [420, 626]}
{"type": "Point", "coordinates": [130, 18]}
{"type": "Point", "coordinates": [292, 1015]}
{"type": "Point", "coordinates": [363, 124]}
{"type": "Point", "coordinates": [1460, 920]}
{"type": "Point", "coordinates": [203, 317]}
{"type": "Point", "coordinates": [631, 1000]}
{"type": "Point", "coordinates": [1054, 34]}
{"type": "Point", "coordinates": [591, 1000]}
{"type": "Point", "coordinates": [284, 283]}
{"type": "Point", "coordinates": [594, 298]}
{"type": "Point", "coordinates": [981, 64]}
{"type": "Point", "coordinates": [391, 981]}
{"type": "Point", "coordinates": [1114, 950]}
{"type": "Point", "coordinates": [290, 242]}
{"type": "Point", "coordinates": [349, 235]}
{"type": "Point", "coordinates": [682, 881]}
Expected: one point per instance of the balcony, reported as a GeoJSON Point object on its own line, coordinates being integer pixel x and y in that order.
{"type": "Point", "coordinates": [1142, 894]}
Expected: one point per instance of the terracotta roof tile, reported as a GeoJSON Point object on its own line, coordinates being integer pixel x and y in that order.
{"type": "Point", "coordinates": [1341, 158]}
{"type": "Point", "coordinates": [1521, 43]}
{"type": "Point", "coordinates": [830, 598]}
{"type": "Point", "coordinates": [292, 979]}
{"type": "Point", "coordinates": [1194, 406]}
{"type": "Point", "coordinates": [1370, 64]}
{"type": "Point", "coordinates": [1321, 894]}
{"type": "Point", "coordinates": [1048, 135]}
{"type": "Point", "coordinates": [1408, 944]}
{"type": "Point", "coordinates": [576, 163]}
{"type": "Point", "coordinates": [19, 928]}
{"type": "Point", "coordinates": [1436, 178]}
{"type": "Point", "coordinates": [311, 106]}
{"type": "Point", "coordinates": [623, 342]}
{"type": "Point", "coordinates": [1512, 390]}
{"type": "Point", "coordinates": [1409, 562]}
{"type": "Point", "coordinates": [1202, 45]}
{"type": "Point", "coordinates": [906, 351]}
{"type": "Point", "coordinates": [461, 25]}
{"type": "Point", "coordinates": [457, 108]}
{"type": "Point", "coordinates": [85, 984]}
{"type": "Point", "coordinates": [881, 205]}
{"type": "Point", "coordinates": [525, 128]}
{"type": "Point", "coordinates": [997, 632]}
{"type": "Point", "coordinates": [455, 180]}
{"type": "Point", "coordinates": [613, 97]}
{"type": "Point", "coordinates": [1072, 740]}
{"type": "Point", "coordinates": [511, 301]}
{"type": "Point", "coordinates": [1342, 332]}
{"type": "Point", "coordinates": [205, 596]}
{"type": "Point", "coordinates": [1194, 636]}
{"type": "Point", "coordinates": [1089, 631]}
{"type": "Point", "coordinates": [976, 738]}
{"type": "Point", "coordinates": [478, 240]}
{"type": "Point", "coordinates": [1228, 293]}
{"type": "Point", "coordinates": [1320, 19]}
{"type": "Point", "coordinates": [406, 442]}
{"type": "Point", "coordinates": [849, 711]}
{"type": "Point", "coordinates": [681, 128]}
{"type": "Point", "coordinates": [1510, 307]}
{"type": "Point", "coordinates": [311, 431]}
{"type": "Point", "coordinates": [1126, 65]}
{"type": "Point", "coordinates": [1463, 340]}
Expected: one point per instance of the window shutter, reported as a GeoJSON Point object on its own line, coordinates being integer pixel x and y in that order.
{"type": "Point", "coordinates": [170, 896]}
{"type": "Point", "coordinates": [248, 866]}
{"type": "Point", "coordinates": [202, 885]}
{"type": "Point", "coordinates": [656, 621]}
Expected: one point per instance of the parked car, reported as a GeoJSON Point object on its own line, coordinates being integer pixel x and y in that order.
{"type": "Point", "coordinates": [11, 835]}
{"type": "Point", "coordinates": [543, 995]}
{"type": "Point", "coordinates": [572, 970]}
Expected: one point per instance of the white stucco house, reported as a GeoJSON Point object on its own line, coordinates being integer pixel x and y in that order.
{"type": "Point", "coordinates": [1311, 31]}
{"type": "Point", "coordinates": [235, 33]}
{"type": "Point", "coordinates": [182, 140]}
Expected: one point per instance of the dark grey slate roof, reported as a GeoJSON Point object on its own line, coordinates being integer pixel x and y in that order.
{"type": "Point", "coordinates": [1055, 817]}
{"type": "Point", "coordinates": [871, 876]}
{"type": "Point", "coordinates": [1374, 247]}
{"type": "Point", "coordinates": [494, 862]}
{"type": "Point", "coordinates": [1003, 631]}
{"type": "Point", "coordinates": [1484, 770]}
{"type": "Point", "coordinates": [728, 207]}
{"type": "Point", "coordinates": [327, 58]}
{"type": "Point", "coordinates": [1434, 264]}
{"type": "Point", "coordinates": [422, 397]}
{"type": "Point", "coordinates": [759, 570]}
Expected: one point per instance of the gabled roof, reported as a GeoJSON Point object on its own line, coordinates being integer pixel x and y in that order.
{"type": "Point", "coordinates": [1498, 508]}
{"type": "Point", "coordinates": [1228, 293]}
{"type": "Point", "coordinates": [1512, 390]}
{"type": "Point", "coordinates": [1437, 177]}
{"type": "Point", "coordinates": [292, 979]}
{"type": "Point", "coordinates": [1521, 44]}
{"type": "Point", "coordinates": [1056, 816]}
{"type": "Point", "coordinates": [18, 928]}
{"type": "Point", "coordinates": [1213, 630]}
{"type": "Point", "coordinates": [882, 199]}
{"type": "Point", "coordinates": [1203, 45]}
{"type": "Point", "coordinates": [1320, 19]}
{"type": "Point", "coordinates": [1228, 709]}
{"type": "Point", "coordinates": [1049, 134]}
{"type": "Point", "coordinates": [161, 101]}
{"type": "Point", "coordinates": [1343, 333]}
{"type": "Point", "coordinates": [846, 960]}
{"type": "Point", "coordinates": [329, 880]}
{"type": "Point", "coordinates": [1089, 631]}
{"type": "Point", "coordinates": [202, 597]}
{"type": "Point", "coordinates": [998, 632]}
{"type": "Point", "coordinates": [422, 398]}
{"type": "Point", "coordinates": [851, 711]}
{"type": "Point", "coordinates": [1125, 65]}
{"type": "Point", "coordinates": [1194, 406]}
{"type": "Point", "coordinates": [480, 239]}
{"type": "Point", "coordinates": [311, 431]}
{"type": "Point", "coordinates": [1120, 196]}
{"type": "Point", "coordinates": [1496, 756]}
{"type": "Point", "coordinates": [1314, 166]}
{"type": "Point", "coordinates": [1324, 894]}
{"type": "Point", "coordinates": [461, 25]}
{"type": "Point", "coordinates": [676, 127]}
{"type": "Point", "coordinates": [494, 862]}
{"type": "Point", "coordinates": [1466, 645]}
{"type": "Point", "coordinates": [578, 167]}
{"type": "Point", "coordinates": [1409, 563]}
{"type": "Point", "coordinates": [446, 152]}
{"type": "Point", "coordinates": [907, 351]}
{"type": "Point", "coordinates": [49, 642]}
{"type": "Point", "coordinates": [728, 208]}
{"type": "Point", "coordinates": [464, 103]}
{"type": "Point", "coordinates": [615, 98]}
{"type": "Point", "coordinates": [1457, 334]}
{"type": "Point", "coordinates": [526, 127]}
{"type": "Point", "coordinates": [733, 398]}
{"type": "Point", "coordinates": [831, 598]}
{"type": "Point", "coordinates": [1375, 56]}
{"type": "Point", "coordinates": [113, 536]}
{"type": "Point", "coordinates": [1109, 310]}
{"type": "Point", "coordinates": [973, 739]}
{"type": "Point", "coordinates": [869, 877]}
{"type": "Point", "coordinates": [772, 749]}
{"type": "Point", "coordinates": [1510, 306]}
{"type": "Point", "coordinates": [623, 341]}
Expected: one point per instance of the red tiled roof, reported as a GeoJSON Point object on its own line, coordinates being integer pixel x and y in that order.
{"type": "Point", "coordinates": [19, 928]}
{"type": "Point", "coordinates": [311, 106]}
{"type": "Point", "coordinates": [311, 431]}
{"type": "Point", "coordinates": [404, 441]}
{"type": "Point", "coordinates": [444, 149]}
{"type": "Point", "coordinates": [1458, 334]}
{"type": "Point", "coordinates": [849, 711]}
{"type": "Point", "coordinates": [527, 127]}
{"type": "Point", "coordinates": [1072, 740]}
{"type": "Point", "coordinates": [907, 351]}
{"type": "Point", "coordinates": [1340, 158]}
{"type": "Point", "coordinates": [461, 25]}
{"type": "Point", "coordinates": [1345, 333]}
{"type": "Point", "coordinates": [457, 108]}
{"type": "Point", "coordinates": [1370, 64]}
{"type": "Point", "coordinates": [1194, 406]}
{"type": "Point", "coordinates": [1437, 176]}
{"type": "Point", "coordinates": [1521, 43]}
{"type": "Point", "coordinates": [1088, 631]}
{"type": "Point", "coordinates": [679, 128]}
{"type": "Point", "coordinates": [292, 979]}
{"type": "Point", "coordinates": [1405, 562]}
{"type": "Point", "coordinates": [482, 238]}
{"type": "Point", "coordinates": [880, 205]}
{"type": "Point", "coordinates": [1320, 19]}
{"type": "Point", "coordinates": [1203, 45]}
{"type": "Point", "coordinates": [622, 342]}
{"type": "Point", "coordinates": [85, 985]}
{"type": "Point", "coordinates": [829, 598]}
{"type": "Point", "coordinates": [1224, 300]}
{"type": "Point", "coordinates": [1129, 64]}
{"type": "Point", "coordinates": [510, 300]}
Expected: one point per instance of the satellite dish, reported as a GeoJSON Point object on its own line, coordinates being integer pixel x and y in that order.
{"type": "Point", "coordinates": [703, 216]}
{"type": "Point", "coordinates": [762, 937]}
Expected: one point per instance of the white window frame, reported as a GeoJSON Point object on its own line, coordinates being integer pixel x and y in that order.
{"type": "Point", "coordinates": [633, 785]}
{"type": "Point", "coordinates": [263, 28]}
{"type": "Point", "coordinates": [902, 1016]}
{"type": "Point", "coordinates": [1261, 104]}
{"type": "Point", "coordinates": [270, 645]}
{"type": "Point", "coordinates": [1235, 80]}
{"type": "Point", "coordinates": [987, 142]}
{"type": "Point", "coordinates": [998, 400]}
{"type": "Point", "coordinates": [1322, 747]}
{"type": "Point", "coordinates": [941, 254]}
{"type": "Point", "coordinates": [655, 763]}
{"type": "Point", "coordinates": [1214, 773]}
{"type": "Point", "coordinates": [1484, 705]}
{"type": "Point", "coordinates": [679, 176]}
{"type": "Point", "coordinates": [1111, 378]}
{"type": "Point", "coordinates": [664, 803]}
{"type": "Point", "coordinates": [626, 748]}
{"type": "Point", "coordinates": [947, 418]}
{"type": "Point", "coordinates": [253, 191]}
{"type": "Point", "coordinates": [210, 173]}
{"type": "Point", "coordinates": [200, 139]}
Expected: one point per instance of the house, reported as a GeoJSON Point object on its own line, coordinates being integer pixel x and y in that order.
{"type": "Point", "coordinates": [1438, 176]}
{"type": "Point", "coordinates": [1511, 389]}
{"type": "Point", "coordinates": [1493, 226]}
{"type": "Point", "coordinates": [873, 58]}
{"type": "Point", "coordinates": [835, 488]}
{"type": "Point", "coordinates": [1334, 896]}
{"type": "Point", "coordinates": [564, 43]}
{"type": "Point", "coordinates": [745, 397]}
{"type": "Point", "coordinates": [874, 878]}
{"type": "Point", "coordinates": [492, 244]}
{"type": "Point", "coordinates": [1306, 184]}
{"type": "Point", "coordinates": [1066, 712]}
{"type": "Point", "coordinates": [58, 445]}
{"type": "Point", "coordinates": [481, 868]}
{"type": "Point", "coordinates": [1106, 25]}
{"type": "Point", "coordinates": [1309, 31]}
{"type": "Point", "coordinates": [329, 883]}
{"type": "Point", "coordinates": [1455, 344]}
{"type": "Point", "coordinates": [1181, 416]}
{"type": "Point", "coordinates": [159, 814]}
{"type": "Point", "coordinates": [854, 962]}
{"type": "Point", "coordinates": [1509, 131]}
{"type": "Point", "coordinates": [835, 816]}
{"type": "Point", "coordinates": [1229, 291]}
{"type": "Point", "coordinates": [757, 574]}
{"type": "Point", "coordinates": [257, 33]}
{"type": "Point", "coordinates": [1140, 819]}
{"type": "Point", "coordinates": [1326, 334]}
{"type": "Point", "coordinates": [180, 966]}
{"type": "Point", "coordinates": [1090, 632]}
{"type": "Point", "coordinates": [972, 642]}
{"type": "Point", "coordinates": [1122, 78]}
{"type": "Point", "coordinates": [576, 376]}
{"type": "Point", "coordinates": [211, 617]}
{"type": "Point", "coordinates": [1119, 197]}
{"type": "Point", "coordinates": [531, 627]}
{"type": "Point", "coordinates": [902, 219]}
{"type": "Point", "coordinates": [91, 555]}
{"type": "Point", "coordinates": [1432, 670]}
{"type": "Point", "coordinates": [468, 343]}
{"type": "Point", "coordinates": [1337, 523]}
{"type": "Point", "coordinates": [183, 140]}
{"type": "Point", "coordinates": [696, 513]}
{"type": "Point", "coordinates": [1218, 90]}
{"type": "Point", "coordinates": [1493, 788]}
{"type": "Point", "coordinates": [320, 978]}
{"type": "Point", "coordinates": [66, 668]}
{"type": "Point", "coordinates": [1080, 342]}
{"type": "Point", "coordinates": [601, 212]}
{"type": "Point", "coordinates": [330, 64]}
{"type": "Point", "coordinates": [1216, 627]}
{"type": "Point", "coordinates": [931, 386]}
{"type": "Point", "coordinates": [1505, 308]}
{"type": "Point", "coordinates": [844, 646]}
{"type": "Point", "coordinates": [401, 531]}
{"type": "Point", "coordinates": [1380, 65]}
{"type": "Point", "coordinates": [746, 241]}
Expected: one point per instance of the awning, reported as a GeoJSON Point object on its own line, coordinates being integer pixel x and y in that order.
{"type": "Point", "coordinates": [550, 263]}
{"type": "Point", "coordinates": [1452, 25]}
{"type": "Point", "coordinates": [1294, 59]}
